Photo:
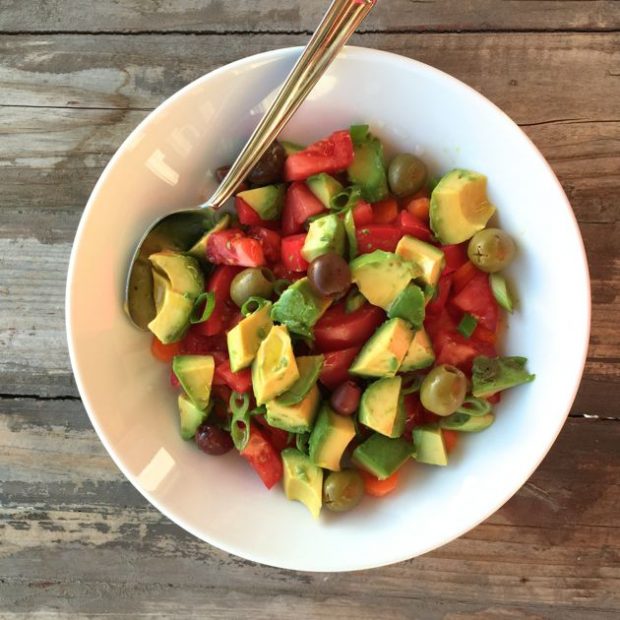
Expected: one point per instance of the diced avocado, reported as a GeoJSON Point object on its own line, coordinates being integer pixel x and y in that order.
{"type": "Point", "coordinates": [430, 259]}
{"type": "Point", "coordinates": [354, 301]}
{"type": "Point", "coordinates": [383, 353]}
{"type": "Point", "coordinates": [290, 148]}
{"type": "Point", "coordinates": [349, 229]}
{"type": "Point", "coordinates": [330, 436]}
{"type": "Point", "coordinates": [409, 305]}
{"type": "Point", "coordinates": [267, 201]}
{"type": "Point", "coordinates": [382, 456]}
{"type": "Point", "coordinates": [368, 168]}
{"type": "Point", "coordinates": [467, 423]}
{"type": "Point", "coordinates": [173, 311]}
{"type": "Point", "coordinates": [324, 187]}
{"type": "Point", "coordinates": [381, 408]}
{"type": "Point", "coordinates": [420, 353]}
{"type": "Point", "coordinates": [382, 276]}
{"type": "Point", "coordinates": [274, 369]}
{"type": "Point", "coordinates": [297, 418]}
{"type": "Point", "coordinates": [199, 249]}
{"type": "Point", "coordinates": [182, 272]}
{"type": "Point", "coordinates": [195, 374]}
{"type": "Point", "coordinates": [303, 480]}
{"type": "Point", "coordinates": [244, 339]}
{"type": "Point", "coordinates": [492, 374]}
{"type": "Point", "coordinates": [300, 307]}
{"type": "Point", "coordinates": [429, 445]}
{"type": "Point", "coordinates": [309, 367]}
{"type": "Point", "coordinates": [190, 416]}
{"type": "Point", "coordinates": [460, 206]}
{"type": "Point", "coordinates": [326, 234]}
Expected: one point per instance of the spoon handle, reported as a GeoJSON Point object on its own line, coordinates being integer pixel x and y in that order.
{"type": "Point", "coordinates": [338, 24]}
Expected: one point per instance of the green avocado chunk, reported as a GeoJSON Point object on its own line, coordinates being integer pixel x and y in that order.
{"type": "Point", "coordinates": [383, 353]}
{"type": "Point", "coordinates": [349, 229]}
{"type": "Point", "coordinates": [326, 234]}
{"type": "Point", "coordinates": [309, 367]}
{"type": "Point", "coordinates": [297, 418]}
{"type": "Point", "coordinates": [429, 445]}
{"type": "Point", "coordinates": [290, 148]}
{"type": "Point", "coordinates": [466, 423]}
{"type": "Point", "coordinates": [195, 374]}
{"type": "Point", "coordinates": [190, 416]}
{"type": "Point", "coordinates": [492, 374]}
{"type": "Point", "coordinates": [460, 206]}
{"type": "Point", "coordinates": [302, 480]}
{"type": "Point", "coordinates": [382, 456]}
{"type": "Point", "coordinates": [420, 353]}
{"type": "Point", "coordinates": [409, 305]}
{"type": "Point", "coordinates": [382, 276]}
{"type": "Point", "coordinates": [368, 167]}
{"type": "Point", "coordinates": [430, 259]}
{"type": "Point", "coordinates": [182, 272]}
{"type": "Point", "coordinates": [330, 436]}
{"type": "Point", "coordinates": [324, 187]}
{"type": "Point", "coordinates": [267, 201]}
{"type": "Point", "coordinates": [300, 307]}
{"type": "Point", "coordinates": [381, 407]}
{"type": "Point", "coordinates": [244, 339]}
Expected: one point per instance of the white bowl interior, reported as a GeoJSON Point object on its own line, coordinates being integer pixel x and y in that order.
{"type": "Point", "coordinates": [166, 163]}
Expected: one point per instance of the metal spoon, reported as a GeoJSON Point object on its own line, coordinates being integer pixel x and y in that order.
{"type": "Point", "coordinates": [181, 229]}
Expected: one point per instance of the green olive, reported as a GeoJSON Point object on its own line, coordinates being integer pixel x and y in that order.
{"type": "Point", "coordinates": [343, 490]}
{"type": "Point", "coordinates": [407, 174]}
{"type": "Point", "coordinates": [443, 390]}
{"type": "Point", "coordinates": [252, 282]}
{"type": "Point", "coordinates": [491, 249]}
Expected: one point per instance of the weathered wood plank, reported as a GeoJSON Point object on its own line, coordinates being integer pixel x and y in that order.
{"type": "Point", "coordinates": [272, 16]}
{"type": "Point", "coordinates": [553, 551]}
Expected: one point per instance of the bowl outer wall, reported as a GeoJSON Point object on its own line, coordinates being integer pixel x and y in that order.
{"type": "Point", "coordinates": [161, 167]}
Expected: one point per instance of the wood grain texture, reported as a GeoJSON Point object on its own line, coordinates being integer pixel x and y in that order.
{"type": "Point", "coordinates": [223, 16]}
{"type": "Point", "coordinates": [553, 551]}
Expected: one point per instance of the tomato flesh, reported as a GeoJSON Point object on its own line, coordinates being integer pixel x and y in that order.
{"type": "Point", "coordinates": [263, 457]}
{"type": "Point", "coordinates": [233, 247]}
{"type": "Point", "coordinates": [336, 367]}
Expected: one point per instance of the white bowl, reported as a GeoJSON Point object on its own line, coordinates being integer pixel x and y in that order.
{"type": "Point", "coordinates": [162, 166]}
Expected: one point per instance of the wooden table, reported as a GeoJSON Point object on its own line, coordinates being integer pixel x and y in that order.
{"type": "Point", "coordinates": [75, 537]}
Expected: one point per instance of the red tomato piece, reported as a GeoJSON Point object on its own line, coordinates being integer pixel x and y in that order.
{"type": "Point", "coordinates": [378, 488]}
{"type": "Point", "coordinates": [377, 237]}
{"type": "Point", "coordinates": [495, 398]}
{"type": "Point", "coordinates": [299, 205]}
{"type": "Point", "coordinates": [455, 255]}
{"type": "Point", "coordinates": [269, 241]}
{"type": "Point", "coordinates": [477, 299]}
{"type": "Point", "coordinates": [278, 438]}
{"type": "Point", "coordinates": [416, 414]}
{"type": "Point", "coordinates": [438, 303]}
{"type": "Point", "coordinates": [463, 275]}
{"type": "Point", "coordinates": [233, 247]}
{"type": "Point", "coordinates": [336, 367]}
{"type": "Point", "coordinates": [240, 381]}
{"type": "Point", "coordinates": [419, 206]}
{"type": "Point", "coordinates": [411, 225]}
{"type": "Point", "coordinates": [247, 216]}
{"type": "Point", "coordinates": [337, 330]}
{"type": "Point", "coordinates": [282, 273]}
{"type": "Point", "coordinates": [263, 457]}
{"type": "Point", "coordinates": [219, 284]}
{"type": "Point", "coordinates": [456, 350]}
{"type": "Point", "coordinates": [451, 438]}
{"type": "Point", "coordinates": [174, 382]}
{"type": "Point", "coordinates": [164, 352]}
{"type": "Point", "coordinates": [385, 211]}
{"type": "Point", "coordinates": [197, 343]}
{"type": "Point", "coordinates": [331, 154]}
{"type": "Point", "coordinates": [362, 214]}
{"type": "Point", "coordinates": [291, 253]}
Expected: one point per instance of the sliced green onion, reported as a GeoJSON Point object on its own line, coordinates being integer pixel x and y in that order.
{"type": "Point", "coordinates": [279, 286]}
{"type": "Point", "coordinates": [346, 199]}
{"type": "Point", "coordinates": [240, 423]}
{"type": "Point", "coordinates": [209, 305]}
{"type": "Point", "coordinates": [349, 228]}
{"type": "Point", "coordinates": [467, 325]}
{"type": "Point", "coordinates": [301, 442]}
{"type": "Point", "coordinates": [500, 291]}
{"type": "Point", "coordinates": [261, 410]}
{"type": "Point", "coordinates": [239, 410]}
{"type": "Point", "coordinates": [411, 385]}
{"type": "Point", "coordinates": [475, 407]}
{"type": "Point", "coordinates": [359, 133]}
{"type": "Point", "coordinates": [466, 423]}
{"type": "Point", "coordinates": [253, 304]}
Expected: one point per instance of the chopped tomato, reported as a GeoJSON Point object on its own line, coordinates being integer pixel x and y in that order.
{"type": "Point", "coordinates": [174, 380]}
{"type": "Point", "coordinates": [377, 237]}
{"type": "Point", "coordinates": [385, 211]}
{"type": "Point", "coordinates": [450, 438]}
{"type": "Point", "coordinates": [328, 155]}
{"type": "Point", "coordinates": [456, 350]}
{"type": "Point", "coordinates": [269, 241]}
{"type": "Point", "coordinates": [495, 398]}
{"type": "Point", "coordinates": [219, 284]}
{"type": "Point", "coordinates": [299, 205]}
{"type": "Point", "coordinates": [240, 381]}
{"type": "Point", "coordinates": [164, 352]}
{"type": "Point", "coordinates": [263, 457]}
{"type": "Point", "coordinates": [484, 335]}
{"type": "Point", "coordinates": [247, 216]}
{"type": "Point", "coordinates": [336, 329]}
{"type": "Point", "coordinates": [233, 247]}
{"type": "Point", "coordinates": [411, 225]}
{"type": "Point", "coordinates": [282, 273]}
{"type": "Point", "coordinates": [378, 488]}
{"type": "Point", "coordinates": [455, 255]}
{"type": "Point", "coordinates": [416, 415]}
{"type": "Point", "coordinates": [463, 275]}
{"type": "Point", "coordinates": [438, 303]}
{"type": "Point", "coordinates": [291, 253]}
{"type": "Point", "coordinates": [336, 367]}
{"type": "Point", "coordinates": [477, 299]}
{"type": "Point", "coordinates": [419, 207]}
{"type": "Point", "coordinates": [196, 343]}
{"type": "Point", "coordinates": [278, 438]}
{"type": "Point", "coordinates": [362, 214]}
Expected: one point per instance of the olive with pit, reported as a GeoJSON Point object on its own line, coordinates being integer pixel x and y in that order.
{"type": "Point", "coordinates": [213, 440]}
{"type": "Point", "coordinates": [407, 174]}
{"type": "Point", "coordinates": [491, 249]}
{"type": "Point", "coordinates": [443, 390]}
{"type": "Point", "coordinates": [270, 166]}
{"type": "Point", "coordinates": [343, 490]}
{"type": "Point", "coordinates": [345, 399]}
{"type": "Point", "coordinates": [329, 275]}
{"type": "Point", "coordinates": [251, 282]}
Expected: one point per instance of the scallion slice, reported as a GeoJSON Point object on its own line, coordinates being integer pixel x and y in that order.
{"type": "Point", "coordinates": [500, 291]}
{"type": "Point", "coordinates": [467, 325]}
{"type": "Point", "coordinates": [209, 305]}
